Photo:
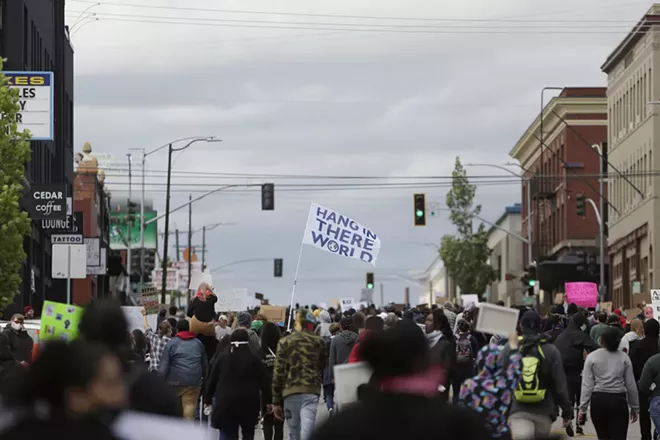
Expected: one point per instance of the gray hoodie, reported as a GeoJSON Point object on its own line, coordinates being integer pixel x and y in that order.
{"type": "Point", "coordinates": [326, 322]}
{"type": "Point", "coordinates": [340, 349]}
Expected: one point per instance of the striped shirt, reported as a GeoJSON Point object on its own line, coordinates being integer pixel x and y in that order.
{"type": "Point", "coordinates": [156, 346]}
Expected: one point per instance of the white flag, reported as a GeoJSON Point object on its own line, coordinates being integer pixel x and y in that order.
{"type": "Point", "coordinates": [333, 232]}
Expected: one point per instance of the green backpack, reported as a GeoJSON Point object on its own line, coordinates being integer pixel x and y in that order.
{"type": "Point", "coordinates": [533, 383]}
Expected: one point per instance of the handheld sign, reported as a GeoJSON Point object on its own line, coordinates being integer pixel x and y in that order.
{"type": "Point", "coordinates": [59, 321]}
{"type": "Point", "coordinates": [348, 377]}
{"type": "Point", "coordinates": [497, 320]}
{"type": "Point", "coordinates": [150, 300]}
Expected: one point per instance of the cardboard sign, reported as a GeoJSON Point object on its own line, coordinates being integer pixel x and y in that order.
{"type": "Point", "coordinates": [273, 313]}
{"type": "Point", "coordinates": [59, 321]}
{"type": "Point", "coordinates": [606, 307]}
{"type": "Point", "coordinates": [582, 294]}
{"type": "Point", "coordinates": [497, 320]}
{"type": "Point", "coordinates": [150, 300]}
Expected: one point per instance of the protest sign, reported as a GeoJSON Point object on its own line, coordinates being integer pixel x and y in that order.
{"type": "Point", "coordinates": [341, 235]}
{"type": "Point", "coordinates": [470, 300]}
{"type": "Point", "coordinates": [131, 425]}
{"type": "Point", "coordinates": [347, 304]}
{"type": "Point", "coordinates": [59, 321]}
{"type": "Point", "coordinates": [606, 306]}
{"type": "Point", "coordinates": [497, 320]}
{"type": "Point", "coordinates": [348, 377]}
{"type": "Point", "coordinates": [232, 300]}
{"type": "Point", "coordinates": [582, 294]}
{"type": "Point", "coordinates": [135, 319]}
{"type": "Point", "coordinates": [150, 300]}
{"type": "Point", "coordinates": [273, 313]}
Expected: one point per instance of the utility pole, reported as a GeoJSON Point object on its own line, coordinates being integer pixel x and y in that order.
{"type": "Point", "coordinates": [601, 149]}
{"type": "Point", "coordinates": [189, 245]}
{"type": "Point", "coordinates": [176, 243]}
{"type": "Point", "coordinates": [382, 295]}
{"type": "Point", "coordinates": [163, 292]}
{"type": "Point", "coordinates": [129, 265]}
{"type": "Point", "coordinates": [203, 247]}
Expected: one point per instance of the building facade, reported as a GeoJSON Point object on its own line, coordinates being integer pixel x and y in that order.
{"type": "Point", "coordinates": [33, 37]}
{"type": "Point", "coordinates": [559, 164]}
{"type": "Point", "coordinates": [632, 84]}
{"type": "Point", "coordinates": [507, 257]}
{"type": "Point", "coordinates": [437, 285]}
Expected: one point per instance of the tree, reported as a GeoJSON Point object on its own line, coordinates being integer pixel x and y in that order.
{"type": "Point", "coordinates": [465, 255]}
{"type": "Point", "coordinates": [14, 225]}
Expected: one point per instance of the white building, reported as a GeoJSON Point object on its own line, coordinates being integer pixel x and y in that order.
{"type": "Point", "coordinates": [634, 130]}
{"type": "Point", "coordinates": [438, 285]}
{"type": "Point", "coordinates": [507, 257]}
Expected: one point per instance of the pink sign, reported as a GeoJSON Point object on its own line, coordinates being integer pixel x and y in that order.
{"type": "Point", "coordinates": [583, 294]}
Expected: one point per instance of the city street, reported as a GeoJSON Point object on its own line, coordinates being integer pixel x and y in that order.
{"type": "Point", "coordinates": [590, 431]}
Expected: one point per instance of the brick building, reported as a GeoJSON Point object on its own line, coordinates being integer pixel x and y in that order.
{"type": "Point", "coordinates": [556, 170]}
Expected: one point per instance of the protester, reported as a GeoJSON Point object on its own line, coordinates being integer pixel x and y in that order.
{"type": "Point", "coordinates": [542, 386]}
{"type": "Point", "coordinates": [391, 320]}
{"type": "Point", "coordinates": [183, 365]}
{"type": "Point", "coordinates": [222, 328]}
{"type": "Point", "coordinates": [10, 368]}
{"type": "Point", "coordinates": [572, 343]}
{"type": "Point", "coordinates": [323, 329]}
{"type": "Point", "coordinates": [256, 327]}
{"type": "Point", "coordinates": [442, 344]}
{"type": "Point", "coordinates": [244, 321]}
{"type": "Point", "coordinates": [490, 392]}
{"type": "Point", "coordinates": [597, 329]}
{"type": "Point", "coordinates": [104, 322]}
{"type": "Point", "coordinates": [139, 347]}
{"type": "Point", "coordinates": [609, 388]}
{"type": "Point", "coordinates": [448, 308]}
{"type": "Point", "coordinates": [373, 324]}
{"type": "Point", "coordinates": [21, 342]}
{"type": "Point", "coordinates": [359, 322]}
{"type": "Point", "coordinates": [202, 311]}
{"type": "Point", "coordinates": [235, 381]}
{"type": "Point", "coordinates": [73, 390]}
{"type": "Point", "coordinates": [328, 381]}
{"type": "Point", "coordinates": [342, 345]}
{"type": "Point", "coordinates": [157, 342]}
{"type": "Point", "coordinates": [270, 337]}
{"type": "Point", "coordinates": [404, 405]}
{"type": "Point", "coordinates": [636, 333]}
{"type": "Point", "coordinates": [466, 354]}
{"type": "Point", "coordinates": [28, 312]}
{"type": "Point", "coordinates": [640, 352]}
{"type": "Point", "coordinates": [297, 377]}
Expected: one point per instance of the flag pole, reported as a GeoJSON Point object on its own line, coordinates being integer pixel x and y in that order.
{"type": "Point", "coordinates": [295, 281]}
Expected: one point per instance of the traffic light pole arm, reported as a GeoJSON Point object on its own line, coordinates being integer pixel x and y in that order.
{"type": "Point", "coordinates": [593, 205]}
{"type": "Point", "coordinates": [213, 191]}
{"type": "Point", "coordinates": [513, 234]}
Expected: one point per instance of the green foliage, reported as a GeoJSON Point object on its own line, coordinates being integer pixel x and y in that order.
{"type": "Point", "coordinates": [14, 225]}
{"type": "Point", "coordinates": [465, 254]}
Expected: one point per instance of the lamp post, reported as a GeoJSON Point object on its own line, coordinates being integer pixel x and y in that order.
{"type": "Point", "coordinates": [171, 150]}
{"type": "Point", "coordinates": [601, 220]}
{"type": "Point", "coordinates": [528, 201]}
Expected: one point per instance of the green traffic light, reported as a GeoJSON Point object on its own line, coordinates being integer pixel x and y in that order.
{"type": "Point", "coordinates": [370, 286]}
{"type": "Point", "coordinates": [532, 283]}
{"type": "Point", "coordinates": [419, 213]}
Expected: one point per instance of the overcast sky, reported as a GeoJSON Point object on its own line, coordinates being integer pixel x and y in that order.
{"type": "Point", "coordinates": [391, 98]}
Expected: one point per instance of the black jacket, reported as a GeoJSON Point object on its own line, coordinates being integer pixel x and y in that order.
{"type": "Point", "coordinates": [21, 343]}
{"type": "Point", "coordinates": [149, 393]}
{"type": "Point", "coordinates": [417, 417]}
{"type": "Point", "coordinates": [572, 343]}
{"type": "Point", "coordinates": [641, 351]}
{"type": "Point", "coordinates": [237, 393]}
{"type": "Point", "coordinates": [204, 311]}
{"type": "Point", "coordinates": [444, 353]}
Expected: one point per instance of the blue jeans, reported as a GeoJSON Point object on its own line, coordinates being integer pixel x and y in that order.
{"type": "Point", "coordinates": [329, 396]}
{"type": "Point", "coordinates": [300, 415]}
{"type": "Point", "coordinates": [654, 409]}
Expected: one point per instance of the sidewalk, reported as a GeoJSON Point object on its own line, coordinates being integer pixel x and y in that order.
{"type": "Point", "coordinates": [590, 431]}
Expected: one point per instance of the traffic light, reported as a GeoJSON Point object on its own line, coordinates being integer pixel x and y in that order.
{"type": "Point", "coordinates": [580, 205]}
{"type": "Point", "coordinates": [149, 264]}
{"type": "Point", "coordinates": [592, 264]}
{"type": "Point", "coordinates": [582, 261]}
{"type": "Point", "coordinates": [419, 205]}
{"type": "Point", "coordinates": [277, 269]}
{"type": "Point", "coordinates": [370, 280]}
{"type": "Point", "coordinates": [132, 209]}
{"type": "Point", "coordinates": [268, 197]}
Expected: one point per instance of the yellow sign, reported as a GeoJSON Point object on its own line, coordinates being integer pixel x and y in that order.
{"type": "Point", "coordinates": [59, 321]}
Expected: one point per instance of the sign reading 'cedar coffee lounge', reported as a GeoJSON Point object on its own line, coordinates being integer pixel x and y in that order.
{"type": "Point", "coordinates": [47, 202]}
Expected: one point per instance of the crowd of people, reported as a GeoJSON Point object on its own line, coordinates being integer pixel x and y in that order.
{"type": "Point", "coordinates": [433, 374]}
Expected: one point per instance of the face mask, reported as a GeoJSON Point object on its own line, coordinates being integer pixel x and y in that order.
{"type": "Point", "coordinates": [583, 327]}
{"type": "Point", "coordinates": [17, 326]}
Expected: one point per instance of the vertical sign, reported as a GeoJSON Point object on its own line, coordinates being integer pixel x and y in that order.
{"type": "Point", "coordinates": [35, 99]}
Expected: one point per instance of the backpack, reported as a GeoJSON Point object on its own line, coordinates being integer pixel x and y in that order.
{"type": "Point", "coordinates": [533, 380]}
{"type": "Point", "coordinates": [464, 352]}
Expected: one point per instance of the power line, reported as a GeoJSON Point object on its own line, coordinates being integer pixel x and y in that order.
{"type": "Point", "coordinates": [392, 31]}
{"type": "Point", "coordinates": [537, 26]}
{"type": "Point", "coordinates": [360, 17]}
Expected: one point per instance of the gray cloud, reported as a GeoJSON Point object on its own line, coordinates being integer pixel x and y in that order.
{"type": "Point", "coordinates": [328, 103]}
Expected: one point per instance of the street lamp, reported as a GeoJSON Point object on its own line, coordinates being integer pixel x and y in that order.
{"type": "Point", "coordinates": [171, 150]}
{"type": "Point", "coordinates": [528, 201]}
{"type": "Point", "coordinates": [601, 209]}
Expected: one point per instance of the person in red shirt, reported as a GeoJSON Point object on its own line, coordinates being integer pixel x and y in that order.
{"type": "Point", "coordinates": [373, 324]}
